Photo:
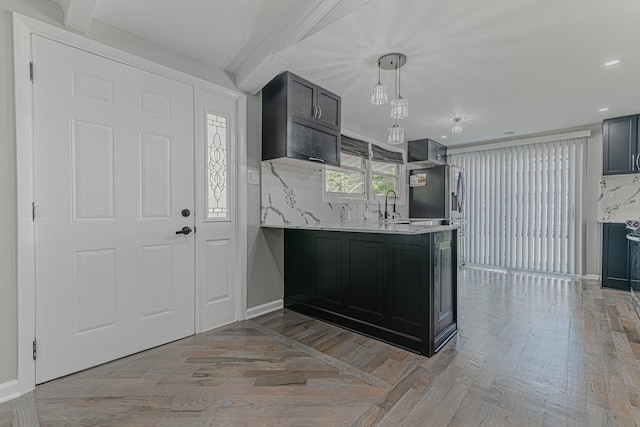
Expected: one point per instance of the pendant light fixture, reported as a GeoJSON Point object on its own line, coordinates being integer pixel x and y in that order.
{"type": "Point", "coordinates": [379, 91]}
{"type": "Point", "coordinates": [395, 134]}
{"type": "Point", "coordinates": [399, 105]}
{"type": "Point", "coordinates": [457, 125]}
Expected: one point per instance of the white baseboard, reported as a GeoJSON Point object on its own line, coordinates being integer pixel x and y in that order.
{"type": "Point", "coordinates": [264, 309]}
{"type": "Point", "coordinates": [9, 391]}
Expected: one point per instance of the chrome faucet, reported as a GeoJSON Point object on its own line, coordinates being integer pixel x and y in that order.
{"type": "Point", "coordinates": [386, 209]}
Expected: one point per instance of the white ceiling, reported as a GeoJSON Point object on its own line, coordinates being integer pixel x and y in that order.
{"type": "Point", "coordinates": [526, 66]}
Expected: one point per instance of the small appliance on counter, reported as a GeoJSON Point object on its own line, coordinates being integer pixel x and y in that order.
{"type": "Point", "coordinates": [438, 193]}
{"type": "Point", "coordinates": [633, 236]}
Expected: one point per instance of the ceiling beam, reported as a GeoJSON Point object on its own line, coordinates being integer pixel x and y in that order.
{"type": "Point", "coordinates": [341, 10]}
{"type": "Point", "coordinates": [78, 14]}
{"type": "Point", "coordinates": [305, 19]}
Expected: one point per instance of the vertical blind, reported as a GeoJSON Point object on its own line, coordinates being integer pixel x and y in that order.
{"type": "Point", "coordinates": [524, 206]}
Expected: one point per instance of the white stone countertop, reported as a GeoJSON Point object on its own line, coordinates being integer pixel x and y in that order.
{"type": "Point", "coordinates": [369, 227]}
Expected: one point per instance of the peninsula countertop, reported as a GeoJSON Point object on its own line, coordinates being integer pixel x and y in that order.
{"type": "Point", "coordinates": [369, 227]}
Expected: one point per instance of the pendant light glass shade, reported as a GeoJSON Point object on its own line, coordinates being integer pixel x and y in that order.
{"type": "Point", "coordinates": [457, 125]}
{"type": "Point", "coordinates": [399, 108]}
{"type": "Point", "coordinates": [395, 134]}
{"type": "Point", "coordinates": [379, 94]}
{"type": "Point", "coordinates": [379, 91]}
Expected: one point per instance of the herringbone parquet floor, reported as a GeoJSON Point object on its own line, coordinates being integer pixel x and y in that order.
{"type": "Point", "coordinates": [531, 351]}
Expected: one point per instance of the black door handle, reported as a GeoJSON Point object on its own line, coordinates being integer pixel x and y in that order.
{"type": "Point", "coordinates": [185, 230]}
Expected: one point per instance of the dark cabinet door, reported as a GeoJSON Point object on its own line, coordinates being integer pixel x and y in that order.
{"type": "Point", "coordinates": [615, 256]}
{"type": "Point", "coordinates": [365, 277]}
{"type": "Point", "coordinates": [328, 113]}
{"type": "Point", "coordinates": [327, 268]}
{"type": "Point", "coordinates": [444, 269]}
{"type": "Point", "coordinates": [309, 143]}
{"type": "Point", "coordinates": [409, 294]}
{"type": "Point", "coordinates": [620, 142]}
{"type": "Point", "coordinates": [634, 265]}
{"type": "Point", "coordinates": [299, 256]}
{"type": "Point", "coordinates": [301, 98]}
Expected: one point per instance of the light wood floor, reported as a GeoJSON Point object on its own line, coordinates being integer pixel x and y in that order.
{"type": "Point", "coordinates": [531, 351]}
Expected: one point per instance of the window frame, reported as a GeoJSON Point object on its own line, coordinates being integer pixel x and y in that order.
{"type": "Point", "coordinates": [397, 177]}
{"type": "Point", "coordinates": [368, 195]}
{"type": "Point", "coordinates": [332, 196]}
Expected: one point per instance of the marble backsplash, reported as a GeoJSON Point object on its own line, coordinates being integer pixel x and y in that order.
{"type": "Point", "coordinates": [293, 196]}
{"type": "Point", "coordinates": [619, 198]}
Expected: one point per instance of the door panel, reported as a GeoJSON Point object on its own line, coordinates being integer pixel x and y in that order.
{"type": "Point", "coordinates": [113, 170]}
{"type": "Point", "coordinates": [93, 150]}
{"type": "Point", "coordinates": [216, 269]}
{"type": "Point", "coordinates": [218, 258]}
{"type": "Point", "coordinates": [156, 280]}
{"type": "Point", "coordinates": [155, 176]}
{"type": "Point", "coordinates": [94, 290]}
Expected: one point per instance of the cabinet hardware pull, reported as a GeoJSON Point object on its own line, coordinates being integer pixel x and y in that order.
{"type": "Point", "coordinates": [314, 111]}
{"type": "Point", "coordinates": [633, 162]}
{"type": "Point", "coordinates": [638, 162]}
{"type": "Point", "coordinates": [319, 112]}
{"type": "Point", "coordinates": [315, 159]}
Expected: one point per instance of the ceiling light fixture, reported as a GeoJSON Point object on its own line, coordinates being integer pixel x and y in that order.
{"type": "Point", "coordinates": [457, 125]}
{"type": "Point", "coordinates": [379, 91]}
{"type": "Point", "coordinates": [603, 109]}
{"type": "Point", "coordinates": [444, 137]}
{"type": "Point", "coordinates": [399, 105]}
{"type": "Point", "coordinates": [395, 134]}
{"type": "Point", "coordinates": [612, 62]}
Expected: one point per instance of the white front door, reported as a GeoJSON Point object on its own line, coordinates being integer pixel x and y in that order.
{"type": "Point", "coordinates": [217, 274]}
{"type": "Point", "coordinates": [113, 173]}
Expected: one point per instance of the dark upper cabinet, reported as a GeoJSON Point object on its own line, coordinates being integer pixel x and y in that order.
{"type": "Point", "coordinates": [620, 144]}
{"type": "Point", "coordinates": [615, 257]}
{"type": "Point", "coordinates": [426, 151]}
{"type": "Point", "coordinates": [300, 120]}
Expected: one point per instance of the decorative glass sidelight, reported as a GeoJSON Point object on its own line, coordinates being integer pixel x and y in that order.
{"type": "Point", "coordinates": [217, 167]}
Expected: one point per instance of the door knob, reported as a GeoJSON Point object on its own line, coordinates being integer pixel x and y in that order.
{"type": "Point", "coordinates": [185, 230]}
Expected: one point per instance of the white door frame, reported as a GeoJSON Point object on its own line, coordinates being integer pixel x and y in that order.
{"type": "Point", "coordinates": [23, 28]}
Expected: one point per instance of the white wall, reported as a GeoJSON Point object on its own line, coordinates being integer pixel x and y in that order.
{"type": "Point", "coordinates": [265, 247]}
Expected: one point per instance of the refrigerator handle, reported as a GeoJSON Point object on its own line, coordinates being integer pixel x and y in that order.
{"type": "Point", "coordinates": [461, 190]}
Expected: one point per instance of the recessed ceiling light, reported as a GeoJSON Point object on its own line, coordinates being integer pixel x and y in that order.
{"type": "Point", "coordinates": [509, 133]}
{"type": "Point", "coordinates": [603, 109]}
{"type": "Point", "coordinates": [612, 62]}
{"type": "Point", "coordinates": [443, 136]}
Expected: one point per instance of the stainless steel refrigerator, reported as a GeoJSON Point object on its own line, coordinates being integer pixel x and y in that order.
{"type": "Point", "coordinates": [438, 193]}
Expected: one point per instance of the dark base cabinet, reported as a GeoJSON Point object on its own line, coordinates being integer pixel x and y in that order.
{"type": "Point", "coordinates": [615, 257]}
{"type": "Point", "coordinates": [401, 289]}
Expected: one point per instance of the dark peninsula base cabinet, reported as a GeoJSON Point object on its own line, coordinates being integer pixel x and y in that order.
{"type": "Point", "coordinates": [398, 288]}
